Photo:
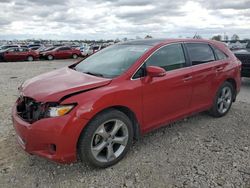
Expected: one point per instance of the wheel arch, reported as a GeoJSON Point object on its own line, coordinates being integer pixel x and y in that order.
{"type": "Point", "coordinates": [128, 112]}
{"type": "Point", "coordinates": [234, 84]}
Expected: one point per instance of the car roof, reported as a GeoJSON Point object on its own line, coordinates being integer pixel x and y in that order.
{"type": "Point", "coordinates": [154, 42]}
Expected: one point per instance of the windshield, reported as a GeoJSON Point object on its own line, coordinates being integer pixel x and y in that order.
{"type": "Point", "coordinates": [112, 61]}
{"type": "Point", "coordinates": [6, 47]}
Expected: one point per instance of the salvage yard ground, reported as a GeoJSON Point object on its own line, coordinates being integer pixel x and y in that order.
{"type": "Point", "coordinates": [199, 151]}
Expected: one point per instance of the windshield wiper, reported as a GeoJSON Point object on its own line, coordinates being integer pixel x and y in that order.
{"type": "Point", "coordinates": [94, 74]}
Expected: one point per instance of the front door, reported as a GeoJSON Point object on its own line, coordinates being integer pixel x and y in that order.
{"type": "Point", "coordinates": [167, 98]}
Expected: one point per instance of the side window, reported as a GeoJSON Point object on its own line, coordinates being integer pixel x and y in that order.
{"type": "Point", "coordinates": [67, 48]}
{"type": "Point", "coordinates": [170, 57]}
{"type": "Point", "coordinates": [23, 49]}
{"type": "Point", "coordinates": [248, 45]}
{"type": "Point", "coordinates": [219, 54]}
{"type": "Point", "coordinates": [64, 48]}
{"type": "Point", "coordinates": [140, 73]}
{"type": "Point", "coordinates": [200, 53]}
{"type": "Point", "coordinates": [11, 50]}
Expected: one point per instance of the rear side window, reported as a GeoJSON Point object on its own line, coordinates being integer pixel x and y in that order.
{"type": "Point", "coordinates": [219, 54]}
{"type": "Point", "coordinates": [64, 48]}
{"type": "Point", "coordinates": [170, 57]}
{"type": "Point", "coordinates": [200, 53]}
{"type": "Point", "coordinates": [23, 49]}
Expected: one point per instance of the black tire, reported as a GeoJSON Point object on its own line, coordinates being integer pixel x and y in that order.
{"type": "Point", "coordinates": [215, 110]}
{"type": "Point", "coordinates": [30, 58]}
{"type": "Point", "coordinates": [74, 56]}
{"type": "Point", "coordinates": [50, 57]}
{"type": "Point", "coordinates": [87, 138]}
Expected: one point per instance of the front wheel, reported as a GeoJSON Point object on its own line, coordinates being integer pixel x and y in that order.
{"type": "Point", "coordinates": [223, 100]}
{"type": "Point", "coordinates": [50, 57]}
{"type": "Point", "coordinates": [106, 139]}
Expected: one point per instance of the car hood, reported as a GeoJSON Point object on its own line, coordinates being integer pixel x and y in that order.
{"type": "Point", "coordinates": [54, 85]}
{"type": "Point", "coordinates": [242, 52]}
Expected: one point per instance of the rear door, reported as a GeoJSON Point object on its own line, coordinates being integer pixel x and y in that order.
{"type": "Point", "coordinates": [59, 53]}
{"type": "Point", "coordinates": [166, 98]}
{"type": "Point", "coordinates": [204, 72]}
{"type": "Point", "coordinates": [64, 52]}
{"type": "Point", "coordinates": [22, 54]}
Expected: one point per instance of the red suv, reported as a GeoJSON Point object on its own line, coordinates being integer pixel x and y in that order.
{"type": "Point", "coordinates": [62, 52]}
{"type": "Point", "coordinates": [96, 107]}
{"type": "Point", "coordinates": [19, 54]}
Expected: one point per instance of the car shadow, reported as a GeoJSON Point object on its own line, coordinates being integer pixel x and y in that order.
{"type": "Point", "coordinates": [172, 132]}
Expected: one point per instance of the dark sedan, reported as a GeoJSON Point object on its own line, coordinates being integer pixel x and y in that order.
{"type": "Point", "coordinates": [244, 56]}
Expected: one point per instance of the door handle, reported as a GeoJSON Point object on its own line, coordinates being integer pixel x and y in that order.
{"type": "Point", "coordinates": [219, 69]}
{"type": "Point", "coordinates": [187, 78]}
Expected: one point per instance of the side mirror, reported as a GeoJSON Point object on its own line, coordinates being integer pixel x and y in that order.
{"type": "Point", "coordinates": [154, 71]}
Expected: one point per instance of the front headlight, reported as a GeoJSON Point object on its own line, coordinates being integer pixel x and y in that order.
{"type": "Point", "coordinates": [60, 110]}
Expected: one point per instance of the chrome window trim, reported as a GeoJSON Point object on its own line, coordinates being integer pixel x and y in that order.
{"type": "Point", "coordinates": [211, 45]}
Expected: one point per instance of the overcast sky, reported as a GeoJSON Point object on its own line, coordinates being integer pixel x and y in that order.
{"type": "Point", "coordinates": [111, 19]}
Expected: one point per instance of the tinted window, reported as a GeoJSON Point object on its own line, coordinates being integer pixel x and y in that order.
{"type": "Point", "coordinates": [11, 50]}
{"type": "Point", "coordinates": [248, 45]}
{"type": "Point", "coordinates": [169, 57]}
{"type": "Point", "coordinates": [140, 73]}
{"type": "Point", "coordinates": [64, 48]}
{"type": "Point", "coordinates": [200, 53]}
{"type": "Point", "coordinates": [219, 54]}
{"type": "Point", "coordinates": [23, 49]}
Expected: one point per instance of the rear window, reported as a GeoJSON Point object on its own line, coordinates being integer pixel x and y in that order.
{"type": "Point", "coordinates": [200, 53]}
{"type": "Point", "coordinates": [219, 54]}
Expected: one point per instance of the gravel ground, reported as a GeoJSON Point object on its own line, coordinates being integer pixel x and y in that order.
{"type": "Point", "coordinates": [199, 151]}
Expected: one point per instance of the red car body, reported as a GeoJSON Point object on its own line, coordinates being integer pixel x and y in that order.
{"type": "Point", "coordinates": [62, 52]}
{"type": "Point", "coordinates": [20, 54]}
{"type": "Point", "coordinates": [153, 102]}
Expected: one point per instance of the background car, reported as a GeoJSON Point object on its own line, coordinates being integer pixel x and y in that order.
{"type": "Point", "coordinates": [19, 54]}
{"type": "Point", "coordinates": [63, 52]}
{"type": "Point", "coordinates": [4, 47]}
{"type": "Point", "coordinates": [34, 46]}
{"type": "Point", "coordinates": [244, 56]}
{"type": "Point", "coordinates": [86, 51]}
{"type": "Point", "coordinates": [98, 48]}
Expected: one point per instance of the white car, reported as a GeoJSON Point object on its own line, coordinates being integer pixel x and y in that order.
{"type": "Point", "coordinates": [86, 51]}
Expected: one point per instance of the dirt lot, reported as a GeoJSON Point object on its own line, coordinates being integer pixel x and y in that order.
{"type": "Point", "coordinates": [200, 151]}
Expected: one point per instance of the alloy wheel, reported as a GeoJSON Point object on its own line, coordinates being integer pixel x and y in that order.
{"type": "Point", "coordinates": [74, 56]}
{"type": "Point", "coordinates": [109, 140]}
{"type": "Point", "coordinates": [30, 58]}
{"type": "Point", "coordinates": [224, 100]}
{"type": "Point", "coordinates": [50, 57]}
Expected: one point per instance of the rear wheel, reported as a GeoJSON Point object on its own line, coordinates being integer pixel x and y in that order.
{"type": "Point", "coordinates": [106, 139]}
{"type": "Point", "coordinates": [50, 57]}
{"type": "Point", "coordinates": [30, 58]}
{"type": "Point", "coordinates": [75, 56]}
{"type": "Point", "coordinates": [223, 100]}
